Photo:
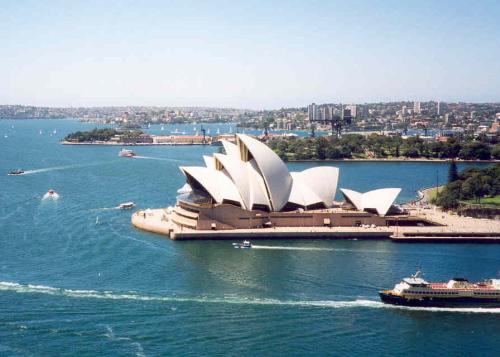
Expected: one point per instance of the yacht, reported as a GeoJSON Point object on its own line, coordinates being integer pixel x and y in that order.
{"type": "Point", "coordinates": [457, 292]}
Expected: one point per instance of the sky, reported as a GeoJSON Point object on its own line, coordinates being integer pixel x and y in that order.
{"type": "Point", "coordinates": [247, 54]}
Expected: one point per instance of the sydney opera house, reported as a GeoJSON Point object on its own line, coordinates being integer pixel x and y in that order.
{"type": "Point", "coordinates": [251, 187]}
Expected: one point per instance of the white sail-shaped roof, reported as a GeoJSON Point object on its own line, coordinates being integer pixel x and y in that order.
{"type": "Point", "coordinates": [258, 193]}
{"type": "Point", "coordinates": [216, 183]}
{"type": "Point", "coordinates": [301, 194]}
{"type": "Point", "coordinates": [273, 170]}
{"type": "Point", "coordinates": [379, 200]}
{"type": "Point", "coordinates": [353, 197]}
{"type": "Point", "coordinates": [321, 180]}
{"type": "Point", "coordinates": [253, 176]}
{"type": "Point", "coordinates": [247, 180]}
{"type": "Point", "coordinates": [237, 171]}
{"type": "Point", "coordinates": [231, 149]}
{"type": "Point", "coordinates": [209, 161]}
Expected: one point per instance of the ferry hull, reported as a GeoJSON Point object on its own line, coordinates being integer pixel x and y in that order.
{"type": "Point", "coordinates": [389, 298]}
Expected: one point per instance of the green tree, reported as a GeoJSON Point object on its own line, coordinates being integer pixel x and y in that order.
{"type": "Point", "coordinates": [452, 171]}
{"type": "Point", "coordinates": [495, 152]}
{"type": "Point", "coordinates": [321, 148]}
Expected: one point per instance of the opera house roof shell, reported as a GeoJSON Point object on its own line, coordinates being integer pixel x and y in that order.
{"type": "Point", "coordinates": [250, 175]}
{"type": "Point", "coordinates": [379, 200]}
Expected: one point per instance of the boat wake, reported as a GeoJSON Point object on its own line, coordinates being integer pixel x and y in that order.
{"type": "Point", "coordinates": [155, 158]}
{"type": "Point", "coordinates": [276, 247]}
{"type": "Point", "coordinates": [56, 168]}
{"type": "Point", "coordinates": [104, 209]}
{"type": "Point", "coordinates": [132, 295]}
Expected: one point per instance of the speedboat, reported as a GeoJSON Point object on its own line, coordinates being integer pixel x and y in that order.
{"type": "Point", "coordinates": [458, 292]}
{"type": "Point", "coordinates": [126, 205]}
{"type": "Point", "coordinates": [16, 172]}
{"type": "Point", "coordinates": [246, 244]}
{"type": "Point", "coordinates": [126, 153]}
{"type": "Point", "coordinates": [51, 194]}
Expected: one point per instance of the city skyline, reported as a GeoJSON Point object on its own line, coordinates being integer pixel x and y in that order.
{"type": "Point", "coordinates": [264, 56]}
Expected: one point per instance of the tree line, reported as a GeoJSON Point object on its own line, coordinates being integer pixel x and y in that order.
{"type": "Point", "coordinates": [379, 146]}
{"type": "Point", "coordinates": [470, 184]}
{"type": "Point", "coordinates": [104, 134]}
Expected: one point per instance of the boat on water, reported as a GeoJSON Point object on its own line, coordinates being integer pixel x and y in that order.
{"type": "Point", "coordinates": [458, 292]}
{"type": "Point", "coordinates": [16, 172]}
{"type": "Point", "coordinates": [126, 153]}
{"type": "Point", "coordinates": [126, 205]}
{"type": "Point", "coordinates": [244, 245]}
{"type": "Point", "coordinates": [51, 194]}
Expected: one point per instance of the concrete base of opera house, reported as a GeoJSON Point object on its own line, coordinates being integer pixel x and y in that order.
{"type": "Point", "coordinates": [450, 228]}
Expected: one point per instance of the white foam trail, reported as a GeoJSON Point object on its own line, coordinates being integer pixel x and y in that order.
{"type": "Point", "coordinates": [104, 209]}
{"type": "Point", "coordinates": [276, 247]}
{"type": "Point", "coordinates": [37, 171]}
{"type": "Point", "coordinates": [334, 304]}
{"type": "Point", "coordinates": [155, 158]}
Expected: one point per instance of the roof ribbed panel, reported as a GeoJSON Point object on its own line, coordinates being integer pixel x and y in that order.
{"type": "Point", "coordinates": [276, 177]}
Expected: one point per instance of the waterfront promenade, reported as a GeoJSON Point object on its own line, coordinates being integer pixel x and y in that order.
{"type": "Point", "coordinates": [452, 228]}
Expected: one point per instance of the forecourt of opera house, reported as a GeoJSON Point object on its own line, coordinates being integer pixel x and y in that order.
{"type": "Point", "coordinates": [248, 192]}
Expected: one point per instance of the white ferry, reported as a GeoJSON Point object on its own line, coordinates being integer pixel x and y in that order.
{"type": "Point", "coordinates": [458, 292]}
{"type": "Point", "coordinates": [126, 205]}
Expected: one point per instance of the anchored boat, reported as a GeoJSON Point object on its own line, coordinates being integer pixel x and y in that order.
{"type": "Point", "coordinates": [458, 292]}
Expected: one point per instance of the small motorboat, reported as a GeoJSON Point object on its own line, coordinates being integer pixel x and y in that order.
{"type": "Point", "coordinates": [126, 153]}
{"type": "Point", "coordinates": [126, 205]}
{"type": "Point", "coordinates": [16, 172]}
{"type": "Point", "coordinates": [51, 194]}
{"type": "Point", "coordinates": [246, 244]}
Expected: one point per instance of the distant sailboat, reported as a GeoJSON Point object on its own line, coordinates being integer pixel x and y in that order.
{"type": "Point", "coordinates": [40, 132]}
{"type": "Point", "coordinates": [162, 128]}
{"type": "Point", "coordinates": [54, 132]}
{"type": "Point", "coordinates": [218, 131]}
{"type": "Point", "coordinates": [208, 131]}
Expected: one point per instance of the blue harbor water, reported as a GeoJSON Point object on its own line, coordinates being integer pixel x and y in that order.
{"type": "Point", "coordinates": [77, 279]}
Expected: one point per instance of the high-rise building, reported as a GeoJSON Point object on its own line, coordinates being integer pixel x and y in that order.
{"type": "Point", "coordinates": [438, 108]}
{"type": "Point", "coordinates": [352, 108]}
{"type": "Point", "coordinates": [326, 113]}
{"type": "Point", "coordinates": [416, 107]}
{"type": "Point", "coordinates": [312, 112]}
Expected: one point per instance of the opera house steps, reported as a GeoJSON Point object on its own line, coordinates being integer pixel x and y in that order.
{"type": "Point", "coordinates": [180, 217]}
{"type": "Point", "coordinates": [185, 213]}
